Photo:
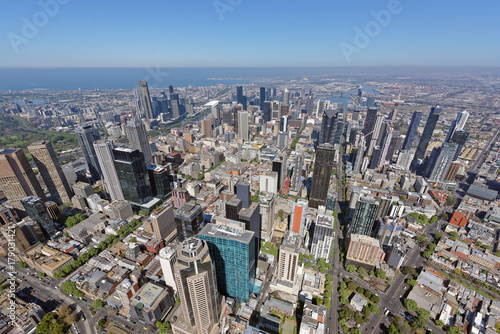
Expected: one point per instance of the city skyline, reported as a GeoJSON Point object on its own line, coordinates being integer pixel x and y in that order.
{"type": "Point", "coordinates": [56, 33]}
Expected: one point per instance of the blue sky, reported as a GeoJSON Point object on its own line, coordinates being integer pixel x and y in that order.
{"type": "Point", "coordinates": [191, 33]}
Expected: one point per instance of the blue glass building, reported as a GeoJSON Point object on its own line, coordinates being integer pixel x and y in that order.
{"type": "Point", "coordinates": [232, 249]}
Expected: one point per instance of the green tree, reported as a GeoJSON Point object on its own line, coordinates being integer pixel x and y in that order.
{"type": "Point", "coordinates": [438, 235]}
{"type": "Point", "coordinates": [411, 282]}
{"type": "Point", "coordinates": [374, 308]}
{"type": "Point", "coordinates": [433, 219]}
{"type": "Point", "coordinates": [381, 273]}
{"type": "Point", "coordinates": [374, 299]}
{"type": "Point", "coordinates": [410, 304]}
{"type": "Point", "coordinates": [407, 270]}
{"type": "Point", "coordinates": [350, 268]}
{"type": "Point", "coordinates": [360, 290]}
{"type": "Point", "coordinates": [361, 271]}
{"type": "Point", "coordinates": [22, 264]}
{"type": "Point", "coordinates": [453, 330]}
{"type": "Point", "coordinates": [368, 293]}
{"type": "Point", "coordinates": [439, 323]}
{"type": "Point", "coordinates": [133, 239]}
{"type": "Point", "coordinates": [101, 322]}
{"type": "Point", "coordinates": [427, 253]}
{"type": "Point", "coordinates": [352, 286]}
{"type": "Point", "coordinates": [42, 274]}
{"type": "Point", "coordinates": [98, 303]}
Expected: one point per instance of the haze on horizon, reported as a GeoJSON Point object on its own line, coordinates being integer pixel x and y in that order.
{"type": "Point", "coordinates": [239, 33]}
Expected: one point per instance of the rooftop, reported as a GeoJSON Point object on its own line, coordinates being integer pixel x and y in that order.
{"type": "Point", "coordinates": [148, 294]}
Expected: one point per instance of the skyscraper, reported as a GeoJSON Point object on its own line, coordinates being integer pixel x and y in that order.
{"type": "Point", "coordinates": [188, 220]}
{"type": "Point", "coordinates": [426, 137]}
{"type": "Point", "coordinates": [457, 125]}
{"type": "Point", "coordinates": [243, 125]}
{"type": "Point", "coordinates": [266, 108]}
{"type": "Point", "coordinates": [323, 165]}
{"type": "Point", "coordinates": [440, 161]}
{"type": "Point", "coordinates": [412, 130]}
{"type": "Point", "coordinates": [104, 153]}
{"type": "Point", "coordinates": [364, 216]}
{"type": "Point", "coordinates": [279, 166]}
{"type": "Point", "coordinates": [138, 138]}
{"type": "Point", "coordinates": [133, 176]}
{"type": "Point", "coordinates": [286, 97]}
{"type": "Point", "coordinates": [36, 210]}
{"type": "Point", "coordinates": [50, 169]}
{"type": "Point", "coordinates": [239, 95]}
{"type": "Point", "coordinates": [163, 222]}
{"type": "Point", "coordinates": [232, 249]}
{"type": "Point", "coordinates": [86, 136]}
{"type": "Point", "coordinates": [196, 281]}
{"type": "Point", "coordinates": [159, 180]}
{"type": "Point", "coordinates": [328, 127]}
{"type": "Point", "coordinates": [17, 179]}
{"type": "Point", "coordinates": [145, 99]}
{"type": "Point", "coordinates": [288, 261]}
{"type": "Point", "coordinates": [369, 125]}
{"type": "Point", "coordinates": [459, 137]}
{"type": "Point", "coordinates": [262, 96]}
{"type": "Point", "coordinates": [175, 103]}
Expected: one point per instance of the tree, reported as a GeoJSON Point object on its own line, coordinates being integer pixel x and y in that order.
{"type": "Point", "coordinates": [411, 282]}
{"type": "Point", "coordinates": [360, 290]}
{"type": "Point", "coordinates": [308, 265]}
{"type": "Point", "coordinates": [97, 303]}
{"type": "Point", "coordinates": [438, 235]}
{"type": "Point", "coordinates": [163, 327]}
{"type": "Point", "coordinates": [133, 239]}
{"type": "Point", "coordinates": [371, 273]}
{"type": "Point", "coordinates": [433, 219]}
{"type": "Point", "coordinates": [350, 268]}
{"type": "Point", "coordinates": [42, 274]}
{"type": "Point", "coordinates": [352, 286]}
{"type": "Point", "coordinates": [368, 293]}
{"type": "Point", "coordinates": [189, 177]}
{"type": "Point", "coordinates": [454, 330]}
{"type": "Point", "coordinates": [280, 213]}
{"type": "Point", "coordinates": [64, 311]}
{"type": "Point", "coordinates": [381, 273]}
{"type": "Point", "coordinates": [101, 322]}
{"type": "Point", "coordinates": [374, 299]}
{"type": "Point", "coordinates": [410, 304]}
{"type": "Point", "coordinates": [374, 308]}
{"type": "Point", "coordinates": [439, 323]}
{"type": "Point", "coordinates": [22, 264]}
{"type": "Point", "coordinates": [361, 271]}
{"type": "Point", "coordinates": [71, 319]}
{"type": "Point", "coordinates": [427, 253]}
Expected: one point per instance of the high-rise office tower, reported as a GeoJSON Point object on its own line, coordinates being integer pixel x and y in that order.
{"type": "Point", "coordinates": [262, 97]}
{"type": "Point", "coordinates": [369, 125]}
{"type": "Point", "coordinates": [266, 208]}
{"type": "Point", "coordinates": [282, 140]}
{"type": "Point", "coordinates": [279, 166]}
{"type": "Point", "coordinates": [243, 125]}
{"type": "Point", "coordinates": [170, 89]}
{"type": "Point", "coordinates": [233, 207]}
{"type": "Point", "coordinates": [175, 105]}
{"type": "Point", "coordinates": [266, 108]}
{"type": "Point", "coordinates": [376, 153]}
{"type": "Point", "coordinates": [359, 154]}
{"type": "Point", "coordinates": [17, 179]}
{"type": "Point", "coordinates": [232, 249]}
{"type": "Point", "coordinates": [284, 123]}
{"type": "Point", "coordinates": [459, 138]}
{"type": "Point", "coordinates": [452, 171]}
{"type": "Point", "coordinates": [36, 210]}
{"type": "Point", "coordinates": [412, 130]}
{"type": "Point", "coordinates": [364, 216]}
{"type": "Point", "coordinates": [196, 281]}
{"type": "Point", "coordinates": [426, 137]}
{"type": "Point", "coordinates": [239, 95]}
{"type": "Point", "coordinates": [328, 127]}
{"type": "Point", "coordinates": [138, 139]}
{"type": "Point", "coordinates": [159, 180]}
{"type": "Point", "coordinates": [104, 153]}
{"type": "Point", "coordinates": [145, 99]}
{"type": "Point", "coordinates": [132, 174]}
{"type": "Point", "coordinates": [188, 220]}
{"type": "Point", "coordinates": [457, 125]}
{"type": "Point", "coordinates": [86, 136]}
{"type": "Point", "coordinates": [298, 218]}
{"type": "Point", "coordinates": [288, 261]}
{"type": "Point", "coordinates": [163, 222]}
{"type": "Point", "coordinates": [50, 169]}
{"type": "Point", "coordinates": [393, 145]}
{"type": "Point", "coordinates": [322, 236]}
{"type": "Point", "coordinates": [377, 132]}
{"type": "Point", "coordinates": [286, 97]}
{"type": "Point", "coordinates": [386, 143]}
{"type": "Point", "coordinates": [297, 172]}
{"type": "Point", "coordinates": [207, 126]}
{"type": "Point", "coordinates": [243, 193]}
{"type": "Point", "coordinates": [440, 160]}
{"type": "Point", "coordinates": [323, 165]}
{"type": "Point", "coordinates": [168, 258]}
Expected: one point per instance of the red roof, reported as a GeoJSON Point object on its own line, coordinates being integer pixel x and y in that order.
{"type": "Point", "coordinates": [458, 219]}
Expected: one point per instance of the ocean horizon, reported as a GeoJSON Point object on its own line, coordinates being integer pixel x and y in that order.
{"type": "Point", "coordinates": [60, 79]}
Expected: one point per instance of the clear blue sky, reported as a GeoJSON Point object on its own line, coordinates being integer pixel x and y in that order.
{"type": "Point", "coordinates": [190, 33]}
